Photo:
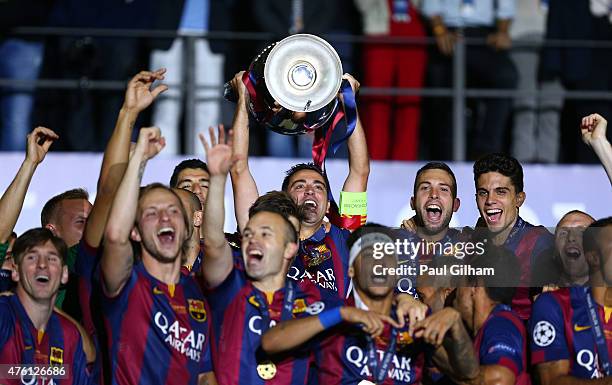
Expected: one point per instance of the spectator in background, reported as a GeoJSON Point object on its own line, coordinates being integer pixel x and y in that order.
{"type": "Point", "coordinates": [186, 16]}
{"type": "Point", "coordinates": [282, 18]}
{"type": "Point", "coordinates": [579, 67]}
{"type": "Point", "coordinates": [86, 118]}
{"type": "Point", "coordinates": [487, 66]}
{"type": "Point", "coordinates": [392, 122]}
{"type": "Point", "coordinates": [536, 130]}
{"type": "Point", "coordinates": [20, 59]}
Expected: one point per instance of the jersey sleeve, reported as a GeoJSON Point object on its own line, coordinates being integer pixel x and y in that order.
{"type": "Point", "coordinates": [7, 320]}
{"type": "Point", "coordinates": [86, 259]}
{"type": "Point", "coordinates": [502, 344]}
{"type": "Point", "coordinates": [547, 331]}
{"type": "Point", "coordinates": [221, 296]}
{"type": "Point", "coordinates": [206, 363]}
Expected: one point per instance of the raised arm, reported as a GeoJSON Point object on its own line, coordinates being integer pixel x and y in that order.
{"type": "Point", "coordinates": [243, 184]}
{"type": "Point", "coordinates": [593, 128]}
{"type": "Point", "coordinates": [138, 97]}
{"type": "Point", "coordinates": [290, 334]}
{"type": "Point", "coordinates": [217, 263]}
{"type": "Point", "coordinates": [117, 258]}
{"type": "Point", "coordinates": [38, 143]}
{"type": "Point", "coordinates": [359, 160]}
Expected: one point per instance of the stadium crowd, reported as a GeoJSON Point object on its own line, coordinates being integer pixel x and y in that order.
{"type": "Point", "coordinates": [536, 127]}
{"type": "Point", "coordinates": [145, 287]}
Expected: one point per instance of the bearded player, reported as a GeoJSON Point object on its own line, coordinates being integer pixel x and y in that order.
{"type": "Point", "coordinates": [323, 256]}
{"type": "Point", "coordinates": [157, 319]}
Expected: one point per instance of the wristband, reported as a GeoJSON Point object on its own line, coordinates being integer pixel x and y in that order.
{"type": "Point", "coordinates": [353, 203]}
{"type": "Point", "coordinates": [330, 318]}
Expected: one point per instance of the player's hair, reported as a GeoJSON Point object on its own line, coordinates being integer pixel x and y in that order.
{"type": "Point", "coordinates": [195, 204]}
{"type": "Point", "coordinates": [51, 209]}
{"type": "Point", "coordinates": [154, 186]}
{"type": "Point", "coordinates": [501, 286]}
{"type": "Point", "coordinates": [187, 163]}
{"type": "Point", "coordinates": [503, 164]}
{"type": "Point", "coordinates": [368, 228]}
{"type": "Point", "coordinates": [35, 237]}
{"type": "Point", "coordinates": [300, 167]}
{"type": "Point", "coordinates": [591, 235]}
{"type": "Point", "coordinates": [575, 212]}
{"type": "Point", "coordinates": [291, 234]}
{"type": "Point", "coordinates": [276, 201]}
{"type": "Point", "coordinates": [437, 166]}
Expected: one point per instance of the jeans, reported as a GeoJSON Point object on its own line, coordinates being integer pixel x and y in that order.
{"type": "Point", "coordinates": [20, 60]}
{"type": "Point", "coordinates": [167, 110]}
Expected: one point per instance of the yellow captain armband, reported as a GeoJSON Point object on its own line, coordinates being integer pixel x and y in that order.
{"type": "Point", "coordinates": [353, 203]}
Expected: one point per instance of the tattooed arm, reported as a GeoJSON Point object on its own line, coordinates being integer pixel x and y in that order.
{"type": "Point", "coordinates": [454, 354]}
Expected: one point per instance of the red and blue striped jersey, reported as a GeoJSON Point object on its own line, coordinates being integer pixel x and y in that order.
{"type": "Point", "coordinates": [560, 327]}
{"type": "Point", "coordinates": [85, 265]}
{"type": "Point", "coordinates": [323, 259]}
{"type": "Point", "coordinates": [158, 333]}
{"type": "Point", "coordinates": [502, 340]}
{"type": "Point", "coordinates": [239, 322]}
{"type": "Point", "coordinates": [343, 357]}
{"type": "Point", "coordinates": [60, 344]}
{"type": "Point", "coordinates": [527, 242]}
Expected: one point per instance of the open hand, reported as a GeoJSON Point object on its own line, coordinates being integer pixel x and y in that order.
{"type": "Point", "coordinates": [219, 154]}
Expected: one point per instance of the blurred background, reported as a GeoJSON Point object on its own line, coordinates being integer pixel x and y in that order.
{"type": "Point", "coordinates": [440, 80]}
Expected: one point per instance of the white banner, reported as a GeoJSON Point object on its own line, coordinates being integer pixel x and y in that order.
{"type": "Point", "coordinates": [551, 190]}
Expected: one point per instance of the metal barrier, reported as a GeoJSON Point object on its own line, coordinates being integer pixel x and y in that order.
{"type": "Point", "coordinates": [458, 92]}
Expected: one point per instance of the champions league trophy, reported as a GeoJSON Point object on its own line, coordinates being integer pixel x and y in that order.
{"type": "Point", "coordinates": [293, 89]}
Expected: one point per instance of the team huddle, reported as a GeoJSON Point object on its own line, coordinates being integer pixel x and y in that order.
{"type": "Point", "coordinates": [144, 286]}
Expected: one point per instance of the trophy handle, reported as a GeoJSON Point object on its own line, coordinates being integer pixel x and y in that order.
{"type": "Point", "coordinates": [228, 93]}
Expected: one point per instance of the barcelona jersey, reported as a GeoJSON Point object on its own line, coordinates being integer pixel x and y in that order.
{"type": "Point", "coordinates": [501, 340]}
{"type": "Point", "coordinates": [323, 260]}
{"type": "Point", "coordinates": [158, 333]}
{"type": "Point", "coordinates": [60, 344]}
{"type": "Point", "coordinates": [240, 320]}
{"type": "Point", "coordinates": [344, 355]}
{"type": "Point", "coordinates": [561, 329]}
{"type": "Point", "coordinates": [527, 242]}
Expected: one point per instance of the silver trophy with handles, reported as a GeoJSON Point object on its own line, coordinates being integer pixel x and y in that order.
{"type": "Point", "coordinates": [293, 85]}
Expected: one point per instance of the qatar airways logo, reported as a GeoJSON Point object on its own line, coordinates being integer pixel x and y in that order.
{"type": "Point", "coordinates": [255, 324]}
{"type": "Point", "coordinates": [185, 341]}
{"type": "Point", "coordinates": [399, 370]}
{"type": "Point", "coordinates": [590, 361]}
{"type": "Point", "coordinates": [326, 278]}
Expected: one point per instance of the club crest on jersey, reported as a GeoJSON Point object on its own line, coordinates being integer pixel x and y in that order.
{"type": "Point", "coordinates": [197, 311]}
{"type": "Point", "coordinates": [316, 254]}
{"type": "Point", "coordinates": [299, 306]}
{"type": "Point", "coordinates": [57, 356]}
{"type": "Point", "coordinates": [404, 338]}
